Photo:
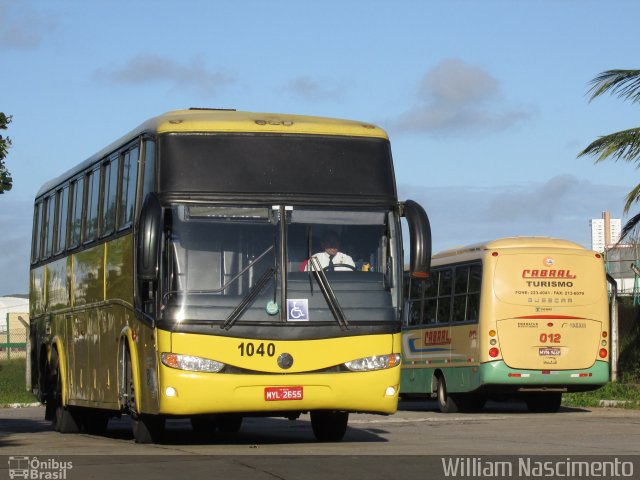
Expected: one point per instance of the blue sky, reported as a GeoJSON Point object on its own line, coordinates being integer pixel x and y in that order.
{"type": "Point", "coordinates": [484, 101]}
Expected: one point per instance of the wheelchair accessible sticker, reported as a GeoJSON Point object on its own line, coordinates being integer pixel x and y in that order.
{"type": "Point", "coordinates": [297, 310]}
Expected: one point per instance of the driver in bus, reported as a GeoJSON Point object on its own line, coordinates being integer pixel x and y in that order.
{"type": "Point", "coordinates": [331, 259]}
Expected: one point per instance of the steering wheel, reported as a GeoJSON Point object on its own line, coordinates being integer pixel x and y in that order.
{"type": "Point", "coordinates": [341, 265]}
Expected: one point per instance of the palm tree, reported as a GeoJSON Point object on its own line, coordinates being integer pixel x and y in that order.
{"type": "Point", "coordinates": [624, 145]}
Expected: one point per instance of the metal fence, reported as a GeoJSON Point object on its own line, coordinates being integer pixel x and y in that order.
{"type": "Point", "coordinates": [14, 335]}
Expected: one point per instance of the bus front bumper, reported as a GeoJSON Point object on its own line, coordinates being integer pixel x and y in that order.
{"type": "Point", "coordinates": [193, 393]}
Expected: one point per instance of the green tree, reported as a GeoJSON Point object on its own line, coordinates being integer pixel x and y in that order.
{"type": "Point", "coordinates": [623, 145]}
{"type": "Point", "coordinates": [6, 182]}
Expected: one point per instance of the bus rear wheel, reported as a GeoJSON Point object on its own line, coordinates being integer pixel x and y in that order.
{"type": "Point", "coordinates": [329, 426]}
{"type": "Point", "coordinates": [543, 402]}
{"type": "Point", "coordinates": [446, 403]}
{"type": "Point", "coordinates": [95, 423]}
{"type": "Point", "coordinates": [64, 419]}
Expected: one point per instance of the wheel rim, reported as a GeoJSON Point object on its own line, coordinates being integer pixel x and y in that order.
{"type": "Point", "coordinates": [442, 392]}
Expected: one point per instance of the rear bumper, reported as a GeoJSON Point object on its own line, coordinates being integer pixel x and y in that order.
{"type": "Point", "coordinates": [497, 376]}
{"type": "Point", "coordinates": [208, 393]}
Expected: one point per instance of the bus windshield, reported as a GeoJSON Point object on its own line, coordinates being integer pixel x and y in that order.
{"type": "Point", "coordinates": [227, 264]}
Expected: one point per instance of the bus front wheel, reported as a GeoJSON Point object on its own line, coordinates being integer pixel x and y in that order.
{"type": "Point", "coordinates": [146, 428]}
{"type": "Point", "coordinates": [329, 426]}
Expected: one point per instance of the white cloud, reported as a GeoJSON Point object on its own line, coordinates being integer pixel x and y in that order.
{"type": "Point", "coordinates": [313, 90]}
{"type": "Point", "coordinates": [560, 207]}
{"type": "Point", "coordinates": [454, 98]}
{"type": "Point", "coordinates": [21, 27]}
{"type": "Point", "coordinates": [149, 68]}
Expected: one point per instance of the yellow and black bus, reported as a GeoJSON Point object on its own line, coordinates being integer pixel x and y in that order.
{"type": "Point", "coordinates": [521, 316]}
{"type": "Point", "coordinates": [170, 279]}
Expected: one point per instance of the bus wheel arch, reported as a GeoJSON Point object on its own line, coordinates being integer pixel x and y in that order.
{"type": "Point", "coordinates": [127, 352]}
{"type": "Point", "coordinates": [42, 374]}
{"type": "Point", "coordinates": [146, 428]}
{"type": "Point", "coordinates": [64, 418]}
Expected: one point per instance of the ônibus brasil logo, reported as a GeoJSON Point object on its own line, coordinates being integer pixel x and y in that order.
{"type": "Point", "coordinates": [34, 468]}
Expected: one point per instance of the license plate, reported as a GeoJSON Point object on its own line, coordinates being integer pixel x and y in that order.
{"type": "Point", "coordinates": [549, 352]}
{"type": "Point", "coordinates": [282, 393]}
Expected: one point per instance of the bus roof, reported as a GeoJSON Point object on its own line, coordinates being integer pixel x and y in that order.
{"type": "Point", "coordinates": [509, 242]}
{"type": "Point", "coordinates": [231, 121]}
{"type": "Point", "coordinates": [201, 120]}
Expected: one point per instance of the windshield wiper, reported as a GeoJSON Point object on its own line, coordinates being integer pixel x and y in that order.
{"type": "Point", "coordinates": [329, 295]}
{"type": "Point", "coordinates": [248, 298]}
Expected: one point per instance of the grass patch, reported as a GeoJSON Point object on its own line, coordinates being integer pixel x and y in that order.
{"type": "Point", "coordinates": [621, 391]}
{"type": "Point", "coordinates": [12, 383]}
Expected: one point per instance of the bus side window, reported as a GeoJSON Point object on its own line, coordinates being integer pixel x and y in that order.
{"type": "Point", "coordinates": [416, 288]}
{"type": "Point", "coordinates": [149, 169]}
{"type": "Point", "coordinates": [127, 200]}
{"type": "Point", "coordinates": [47, 226]}
{"type": "Point", "coordinates": [110, 192]}
{"type": "Point", "coordinates": [62, 222]}
{"type": "Point", "coordinates": [92, 205]}
{"type": "Point", "coordinates": [37, 232]}
{"type": "Point", "coordinates": [460, 293]}
{"type": "Point", "coordinates": [430, 305]}
{"type": "Point", "coordinates": [444, 296]}
{"type": "Point", "coordinates": [473, 297]}
{"type": "Point", "coordinates": [76, 214]}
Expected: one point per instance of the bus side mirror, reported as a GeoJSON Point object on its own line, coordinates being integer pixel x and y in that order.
{"type": "Point", "coordinates": [420, 238]}
{"type": "Point", "coordinates": [149, 237]}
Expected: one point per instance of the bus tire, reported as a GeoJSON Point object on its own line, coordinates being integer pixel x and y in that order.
{"type": "Point", "coordinates": [446, 403]}
{"type": "Point", "coordinates": [229, 423]}
{"type": "Point", "coordinates": [64, 419]}
{"type": "Point", "coordinates": [203, 425]}
{"type": "Point", "coordinates": [329, 426]}
{"type": "Point", "coordinates": [95, 423]}
{"type": "Point", "coordinates": [146, 428]}
{"type": "Point", "coordinates": [470, 402]}
{"type": "Point", "coordinates": [543, 402]}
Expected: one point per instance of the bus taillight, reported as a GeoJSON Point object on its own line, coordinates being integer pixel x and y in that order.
{"type": "Point", "coordinates": [493, 352]}
{"type": "Point", "coordinates": [604, 334]}
{"type": "Point", "coordinates": [602, 353]}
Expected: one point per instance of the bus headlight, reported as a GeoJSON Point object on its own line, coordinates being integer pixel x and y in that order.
{"type": "Point", "coordinates": [377, 362]}
{"type": "Point", "coordinates": [191, 363]}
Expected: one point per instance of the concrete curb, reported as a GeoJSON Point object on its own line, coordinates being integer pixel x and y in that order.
{"type": "Point", "coordinates": [19, 405]}
{"type": "Point", "coordinates": [615, 403]}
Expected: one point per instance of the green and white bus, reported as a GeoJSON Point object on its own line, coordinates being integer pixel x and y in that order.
{"type": "Point", "coordinates": [527, 316]}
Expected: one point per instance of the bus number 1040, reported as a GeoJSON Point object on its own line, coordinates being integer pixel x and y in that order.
{"type": "Point", "coordinates": [250, 349]}
{"type": "Point", "coordinates": [550, 337]}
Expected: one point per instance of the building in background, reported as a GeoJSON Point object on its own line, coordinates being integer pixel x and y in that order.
{"type": "Point", "coordinates": [12, 305]}
{"type": "Point", "coordinates": [14, 327]}
{"type": "Point", "coordinates": [605, 232]}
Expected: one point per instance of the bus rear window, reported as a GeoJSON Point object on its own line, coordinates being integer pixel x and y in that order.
{"type": "Point", "coordinates": [553, 279]}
